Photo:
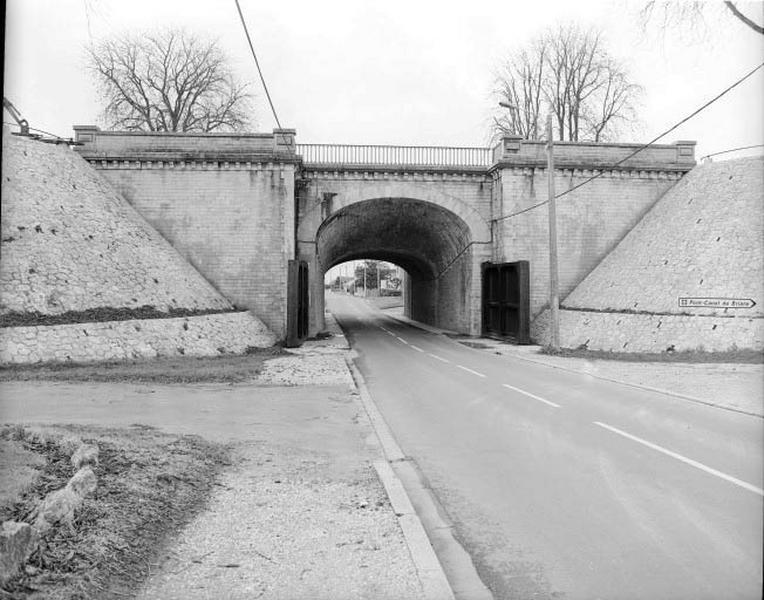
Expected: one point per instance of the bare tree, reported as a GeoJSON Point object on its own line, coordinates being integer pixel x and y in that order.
{"type": "Point", "coordinates": [168, 81]}
{"type": "Point", "coordinates": [569, 72]}
{"type": "Point", "coordinates": [690, 14]}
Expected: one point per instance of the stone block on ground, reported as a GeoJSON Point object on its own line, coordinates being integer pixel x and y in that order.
{"type": "Point", "coordinates": [17, 542]}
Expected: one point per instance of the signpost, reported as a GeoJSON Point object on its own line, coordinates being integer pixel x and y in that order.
{"type": "Point", "coordinates": [716, 303]}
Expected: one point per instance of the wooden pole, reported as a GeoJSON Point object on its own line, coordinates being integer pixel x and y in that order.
{"type": "Point", "coordinates": [554, 285]}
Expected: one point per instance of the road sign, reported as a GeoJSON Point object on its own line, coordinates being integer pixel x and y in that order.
{"type": "Point", "coordinates": [716, 303]}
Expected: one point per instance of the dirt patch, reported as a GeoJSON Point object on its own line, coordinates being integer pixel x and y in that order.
{"type": "Point", "coordinates": [731, 356]}
{"type": "Point", "coordinates": [215, 369]}
{"type": "Point", "coordinates": [150, 484]}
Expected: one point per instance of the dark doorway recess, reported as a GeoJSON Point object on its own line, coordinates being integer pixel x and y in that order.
{"type": "Point", "coordinates": [506, 303]}
{"type": "Point", "coordinates": [297, 303]}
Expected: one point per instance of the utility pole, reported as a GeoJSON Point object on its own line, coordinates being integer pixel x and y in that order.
{"type": "Point", "coordinates": [554, 284]}
{"type": "Point", "coordinates": [364, 279]}
{"type": "Point", "coordinates": [378, 269]}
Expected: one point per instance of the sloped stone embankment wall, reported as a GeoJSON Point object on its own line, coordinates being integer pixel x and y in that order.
{"type": "Point", "coordinates": [703, 239]}
{"type": "Point", "coordinates": [70, 243]}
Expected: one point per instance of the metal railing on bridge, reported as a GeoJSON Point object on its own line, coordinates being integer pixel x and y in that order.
{"type": "Point", "coordinates": [419, 156]}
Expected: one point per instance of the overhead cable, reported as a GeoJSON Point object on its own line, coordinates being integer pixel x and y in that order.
{"type": "Point", "coordinates": [732, 150]}
{"type": "Point", "coordinates": [257, 63]}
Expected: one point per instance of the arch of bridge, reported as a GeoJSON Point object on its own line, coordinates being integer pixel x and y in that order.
{"type": "Point", "coordinates": [422, 237]}
{"type": "Point", "coordinates": [440, 195]}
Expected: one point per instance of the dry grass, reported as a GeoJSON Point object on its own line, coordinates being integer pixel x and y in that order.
{"type": "Point", "coordinates": [694, 356]}
{"type": "Point", "coordinates": [150, 484]}
{"type": "Point", "coordinates": [182, 369]}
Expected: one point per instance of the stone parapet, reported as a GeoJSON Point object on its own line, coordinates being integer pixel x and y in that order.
{"type": "Point", "coordinates": [207, 335]}
{"type": "Point", "coordinates": [95, 144]}
{"type": "Point", "coordinates": [517, 152]}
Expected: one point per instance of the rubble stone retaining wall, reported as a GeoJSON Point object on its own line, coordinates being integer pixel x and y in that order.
{"type": "Point", "coordinates": [207, 335]}
{"type": "Point", "coordinates": [625, 332]}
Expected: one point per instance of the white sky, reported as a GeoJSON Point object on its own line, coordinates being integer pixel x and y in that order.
{"type": "Point", "coordinates": [396, 72]}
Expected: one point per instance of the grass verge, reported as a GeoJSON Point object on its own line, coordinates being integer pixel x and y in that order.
{"type": "Point", "coordinates": [150, 485]}
{"type": "Point", "coordinates": [691, 356]}
{"type": "Point", "coordinates": [181, 369]}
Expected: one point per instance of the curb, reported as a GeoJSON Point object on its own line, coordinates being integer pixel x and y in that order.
{"type": "Point", "coordinates": [648, 388]}
{"type": "Point", "coordinates": [431, 574]}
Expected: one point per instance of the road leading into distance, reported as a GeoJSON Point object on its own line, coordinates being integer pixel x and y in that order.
{"type": "Point", "coordinates": [564, 486]}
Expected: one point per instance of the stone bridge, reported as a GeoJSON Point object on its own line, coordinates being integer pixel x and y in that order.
{"type": "Point", "coordinates": [240, 206]}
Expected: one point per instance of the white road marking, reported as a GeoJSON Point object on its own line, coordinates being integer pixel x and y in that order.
{"type": "Point", "coordinates": [387, 331]}
{"type": "Point", "coordinates": [402, 340]}
{"type": "Point", "coordinates": [441, 359]}
{"type": "Point", "coordinates": [684, 459]}
{"type": "Point", "coordinates": [534, 396]}
{"type": "Point", "coordinates": [417, 348]}
{"type": "Point", "coordinates": [470, 371]}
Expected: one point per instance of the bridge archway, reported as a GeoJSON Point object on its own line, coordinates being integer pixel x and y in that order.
{"type": "Point", "coordinates": [434, 245]}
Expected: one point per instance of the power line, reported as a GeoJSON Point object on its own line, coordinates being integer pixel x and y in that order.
{"type": "Point", "coordinates": [257, 63]}
{"type": "Point", "coordinates": [638, 150]}
{"type": "Point", "coordinates": [732, 150]}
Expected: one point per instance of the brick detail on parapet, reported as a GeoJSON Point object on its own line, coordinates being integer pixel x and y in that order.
{"type": "Point", "coordinates": [189, 165]}
{"type": "Point", "coordinates": [207, 335]}
{"type": "Point", "coordinates": [408, 173]}
{"type": "Point", "coordinates": [627, 332]}
{"type": "Point", "coordinates": [575, 172]}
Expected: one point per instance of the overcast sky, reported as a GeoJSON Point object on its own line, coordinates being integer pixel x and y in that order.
{"type": "Point", "coordinates": [394, 72]}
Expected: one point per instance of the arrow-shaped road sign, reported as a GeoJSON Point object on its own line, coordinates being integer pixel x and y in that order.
{"type": "Point", "coordinates": [716, 303]}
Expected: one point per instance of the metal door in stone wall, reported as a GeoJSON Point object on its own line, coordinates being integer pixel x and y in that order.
{"type": "Point", "coordinates": [506, 300]}
{"type": "Point", "coordinates": [297, 303]}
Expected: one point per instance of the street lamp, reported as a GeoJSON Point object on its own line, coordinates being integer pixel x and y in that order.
{"type": "Point", "coordinates": [554, 283]}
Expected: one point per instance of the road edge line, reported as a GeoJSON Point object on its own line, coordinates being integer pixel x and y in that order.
{"type": "Point", "coordinates": [649, 388]}
{"type": "Point", "coordinates": [435, 584]}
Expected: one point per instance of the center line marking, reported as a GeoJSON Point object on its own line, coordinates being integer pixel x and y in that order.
{"type": "Point", "coordinates": [417, 348]}
{"type": "Point", "coordinates": [402, 340]}
{"type": "Point", "coordinates": [534, 396]}
{"type": "Point", "coordinates": [684, 459]}
{"type": "Point", "coordinates": [436, 357]}
{"type": "Point", "coordinates": [470, 371]}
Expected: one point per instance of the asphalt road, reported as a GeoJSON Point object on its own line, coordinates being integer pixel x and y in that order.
{"type": "Point", "coordinates": [565, 486]}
